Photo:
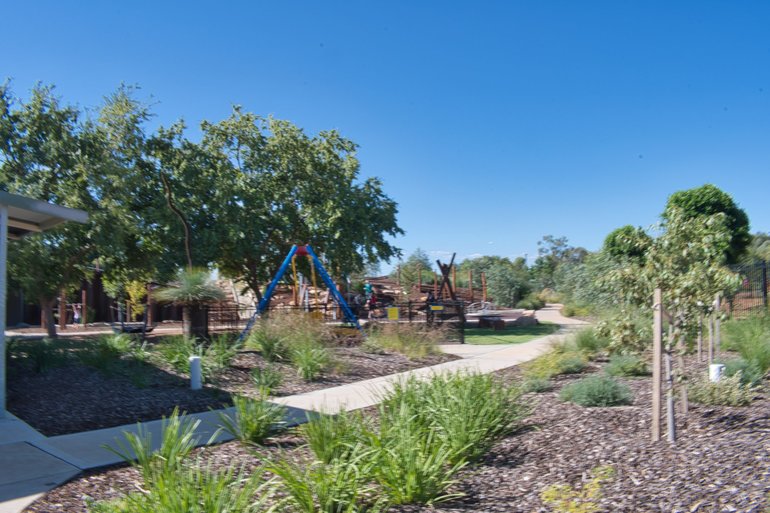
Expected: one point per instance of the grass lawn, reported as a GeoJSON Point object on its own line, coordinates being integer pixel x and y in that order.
{"type": "Point", "coordinates": [511, 335]}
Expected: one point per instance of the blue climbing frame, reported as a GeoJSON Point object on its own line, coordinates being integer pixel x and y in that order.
{"type": "Point", "coordinates": [265, 301]}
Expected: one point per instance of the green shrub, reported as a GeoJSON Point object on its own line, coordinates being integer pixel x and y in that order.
{"type": "Point", "coordinates": [531, 302]}
{"type": "Point", "coordinates": [42, 354]}
{"type": "Point", "coordinates": [277, 335]}
{"type": "Point", "coordinates": [266, 379]}
{"type": "Point", "coordinates": [333, 437]}
{"type": "Point", "coordinates": [310, 360]}
{"type": "Point", "coordinates": [270, 345]}
{"type": "Point", "coordinates": [178, 440]}
{"type": "Point", "coordinates": [254, 420]}
{"type": "Point", "coordinates": [626, 365]}
{"type": "Point", "coordinates": [749, 371]}
{"type": "Point", "coordinates": [555, 362]}
{"type": "Point", "coordinates": [413, 463]}
{"type": "Point", "coordinates": [198, 489]}
{"type": "Point", "coordinates": [411, 340]}
{"type": "Point", "coordinates": [107, 351]}
{"type": "Point", "coordinates": [221, 352]}
{"type": "Point", "coordinates": [170, 485]}
{"type": "Point", "coordinates": [728, 391]}
{"type": "Point", "coordinates": [751, 339]}
{"type": "Point", "coordinates": [177, 350]}
{"type": "Point", "coordinates": [565, 499]}
{"type": "Point", "coordinates": [335, 487]}
{"type": "Point", "coordinates": [590, 342]}
{"type": "Point", "coordinates": [536, 385]}
{"type": "Point", "coordinates": [469, 411]}
{"type": "Point", "coordinates": [574, 310]}
{"type": "Point", "coordinates": [597, 391]}
{"type": "Point", "coordinates": [628, 331]}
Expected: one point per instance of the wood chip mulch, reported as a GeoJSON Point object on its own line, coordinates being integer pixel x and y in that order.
{"type": "Point", "coordinates": [720, 463]}
{"type": "Point", "coordinates": [75, 398]}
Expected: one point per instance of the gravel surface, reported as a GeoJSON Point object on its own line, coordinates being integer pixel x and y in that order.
{"type": "Point", "coordinates": [721, 462]}
{"type": "Point", "coordinates": [74, 398]}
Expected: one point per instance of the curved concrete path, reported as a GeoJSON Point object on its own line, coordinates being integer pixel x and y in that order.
{"type": "Point", "coordinates": [31, 464]}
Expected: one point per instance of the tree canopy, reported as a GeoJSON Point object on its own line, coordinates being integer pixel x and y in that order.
{"type": "Point", "coordinates": [158, 201]}
{"type": "Point", "coordinates": [707, 200]}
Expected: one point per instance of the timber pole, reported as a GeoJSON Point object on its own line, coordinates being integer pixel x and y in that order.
{"type": "Point", "coordinates": [657, 351]}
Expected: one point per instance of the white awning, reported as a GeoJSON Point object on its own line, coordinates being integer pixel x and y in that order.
{"type": "Point", "coordinates": [27, 215]}
{"type": "Point", "coordinates": [20, 216]}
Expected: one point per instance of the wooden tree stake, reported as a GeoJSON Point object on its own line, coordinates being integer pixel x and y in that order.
{"type": "Point", "coordinates": [718, 324]}
{"type": "Point", "coordinates": [670, 415]}
{"type": "Point", "coordinates": [700, 337]}
{"type": "Point", "coordinates": [657, 349]}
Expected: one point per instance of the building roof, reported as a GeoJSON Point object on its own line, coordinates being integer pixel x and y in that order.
{"type": "Point", "coordinates": [27, 215]}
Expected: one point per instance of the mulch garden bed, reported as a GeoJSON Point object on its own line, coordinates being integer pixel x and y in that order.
{"type": "Point", "coordinates": [720, 463]}
{"type": "Point", "coordinates": [74, 398]}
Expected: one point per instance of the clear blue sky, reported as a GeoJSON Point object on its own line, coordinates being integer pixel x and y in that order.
{"type": "Point", "coordinates": [490, 123]}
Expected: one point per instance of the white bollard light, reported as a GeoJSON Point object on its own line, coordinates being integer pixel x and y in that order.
{"type": "Point", "coordinates": [196, 381]}
{"type": "Point", "coordinates": [716, 370]}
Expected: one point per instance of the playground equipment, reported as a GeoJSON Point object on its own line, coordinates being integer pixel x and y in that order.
{"type": "Point", "coordinates": [316, 265]}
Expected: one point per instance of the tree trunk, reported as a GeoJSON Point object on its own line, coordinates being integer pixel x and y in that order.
{"type": "Point", "coordinates": [49, 323]}
{"type": "Point", "coordinates": [195, 322]}
{"type": "Point", "coordinates": [669, 377]}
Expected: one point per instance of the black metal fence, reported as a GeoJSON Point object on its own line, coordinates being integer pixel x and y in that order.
{"type": "Point", "coordinates": [448, 315]}
{"type": "Point", "coordinates": [751, 296]}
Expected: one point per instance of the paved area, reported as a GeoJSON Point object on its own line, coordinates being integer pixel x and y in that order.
{"type": "Point", "coordinates": [31, 464]}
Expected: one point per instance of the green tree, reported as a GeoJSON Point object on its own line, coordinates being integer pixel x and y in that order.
{"type": "Point", "coordinates": [507, 281]}
{"type": "Point", "coordinates": [50, 153]}
{"type": "Point", "coordinates": [553, 252]}
{"type": "Point", "coordinates": [274, 186]}
{"type": "Point", "coordinates": [708, 200]}
{"type": "Point", "coordinates": [759, 248]}
{"type": "Point", "coordinates": [44, 157]}
{"type": "Point", "coordinates": [627, 242]}
{"type": "Point", "coordinates": [410, 269]}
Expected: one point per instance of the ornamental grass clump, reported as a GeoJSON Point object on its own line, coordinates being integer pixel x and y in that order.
{"type": "Point", "coordinates": [335, 437]}
{"type": "Point", "coordinates": [597, 391]}
{"type": "Point", "coordinates": [411, 340]}
{"type": "Point", "coordinates": [310, 359]}
{"type": "Point", "coordinates": [253, 420]}
{"type": "Point", "coordinates": [172, 484]}
{"type": "Point", "coordinates": [562, 358]}
{"type": "Point", "coordinates": [177, 350]}
{"type": "Point", "coordinates": [589, 342]}
{"type": "Point", "coordinates": [334, 487]}
{"type": "Point", "coordinates": [414, 463]}
{"type": "Point", "coordinates": [626, 365]}
{"type": "Point", "coordinates": [468, 411]}
{"type": "Point", "coordinates": [751, 339]}
{"type": "Point", "coordinates": [728, 391]}
{"type": "Point", "coordinates": [536, 385]}
{"type": "Point", "coordinates": [750, 372]}
{"type": "Point", "coordinates": [266, 379]}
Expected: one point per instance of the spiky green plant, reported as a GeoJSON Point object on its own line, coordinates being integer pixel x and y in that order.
{"type": "Point", "coordinates": [253, 420]}
{"type": "Point", "coordinates": [335, 487]}
{"type": "Point", "coordinates": [192, 290]}
{"type": "Point", "coordinates": [310, 360]}
{"type": "Point", "coordinates": [333, 437]}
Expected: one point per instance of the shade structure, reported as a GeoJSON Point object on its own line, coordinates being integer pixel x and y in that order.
{"type": "Point", "coordinates": [21, 216]}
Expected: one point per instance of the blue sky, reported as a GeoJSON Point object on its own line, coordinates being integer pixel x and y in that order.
{"type": "Point", "coordinates": [490, 123]}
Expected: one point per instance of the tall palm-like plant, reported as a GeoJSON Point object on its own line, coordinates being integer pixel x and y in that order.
{"type": "Point", "coordinates": [193, 289]}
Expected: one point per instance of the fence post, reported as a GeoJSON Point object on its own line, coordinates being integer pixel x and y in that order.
{"type": "Point", "coordinates": [718, 323]}
{"type": "Point", "coordinates": [764, 284]}
{"type": "Point", "coordinates": [657, 345]}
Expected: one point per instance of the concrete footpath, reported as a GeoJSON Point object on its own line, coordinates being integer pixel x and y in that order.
{"type": "Point", "coordinates": [31, 464]}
